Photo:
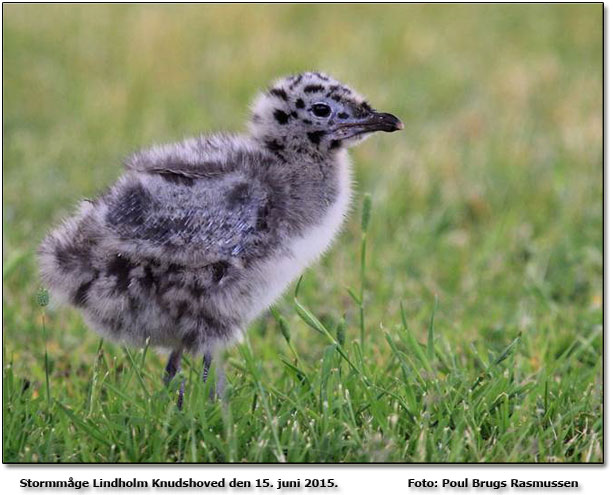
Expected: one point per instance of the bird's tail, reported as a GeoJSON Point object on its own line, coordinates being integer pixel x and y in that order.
{"type": "Point", "coordinates": [65, 259]}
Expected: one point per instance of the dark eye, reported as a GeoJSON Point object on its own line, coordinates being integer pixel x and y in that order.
{"type": "Point", "coordinates": [320, 110]}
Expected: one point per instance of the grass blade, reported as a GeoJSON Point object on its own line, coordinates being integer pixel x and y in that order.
{"type": "Point", "coordinates": [83, 425]}
{"type": "Point", "coordinates": [430, 348]}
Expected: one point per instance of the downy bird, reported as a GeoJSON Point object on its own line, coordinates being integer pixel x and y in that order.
{"type": "Point", "coordinates": [197, 238]}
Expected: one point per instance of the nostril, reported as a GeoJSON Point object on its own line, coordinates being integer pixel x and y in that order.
{"type": "Point", "coordinates": [343, 115]}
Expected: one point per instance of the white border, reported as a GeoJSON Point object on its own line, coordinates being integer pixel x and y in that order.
{"type": "Point", "coordinates": [352, 479]}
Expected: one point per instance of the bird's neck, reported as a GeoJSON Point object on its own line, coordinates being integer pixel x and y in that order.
{"type": "Point", "coordinates": [291, 149]}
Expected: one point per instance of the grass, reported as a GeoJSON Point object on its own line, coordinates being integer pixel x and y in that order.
{"type": "Point", "coordinates": [459, 321]}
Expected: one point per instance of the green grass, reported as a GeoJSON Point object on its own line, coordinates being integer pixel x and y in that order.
{"type": "Point", "coordinates": [463, 323]}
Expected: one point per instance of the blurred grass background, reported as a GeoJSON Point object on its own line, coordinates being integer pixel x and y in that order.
{"type": "Point", "coordinates": [491, 199]}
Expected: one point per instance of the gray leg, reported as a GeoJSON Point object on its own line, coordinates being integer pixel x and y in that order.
{"type": "Point", "coordinates": [220, 386]}
{"type": "Point", "coordinates": [206, 365]}
{"type": "Point", "coordinates": [221, 378]}
{"type": "Point", "coordinates": [172, 368]}
{"type": "Point", "coordinates": [181, 392]}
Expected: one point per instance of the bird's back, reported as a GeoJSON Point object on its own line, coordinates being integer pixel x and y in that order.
{"type": "Point", "coordinates": [191, 242]}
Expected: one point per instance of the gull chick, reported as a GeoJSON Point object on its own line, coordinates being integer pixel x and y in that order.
{"type": "Point", "coordinates": [197, 238]}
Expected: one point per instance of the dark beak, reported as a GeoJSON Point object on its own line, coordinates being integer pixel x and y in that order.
{"type": "Point", "coordinates": [385, 122]}
{"type": "Point", "coordinates": [373, 122]}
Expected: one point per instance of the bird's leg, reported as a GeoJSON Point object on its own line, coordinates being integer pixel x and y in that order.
{"type": "Point", "coordinates": [220, 385]}
{"type": "Point", "coordinates": [206, 365]}
{"type": "Point", "coordinates": [181, 392]}
{"type": "Point", "coordinates": [173, 366]}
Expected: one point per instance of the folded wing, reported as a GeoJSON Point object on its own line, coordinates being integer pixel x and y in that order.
{"type": "Point", "coordinates": [170, 206]}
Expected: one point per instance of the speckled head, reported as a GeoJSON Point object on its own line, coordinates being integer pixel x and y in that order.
{"type": "Point", "coordinates": [313, 114]}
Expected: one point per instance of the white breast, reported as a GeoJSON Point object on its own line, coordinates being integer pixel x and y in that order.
{"type": "Point", "coordinates": [276, 274]}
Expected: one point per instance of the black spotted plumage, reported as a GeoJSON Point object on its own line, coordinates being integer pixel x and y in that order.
{"type": "Point", "coordinates": [177, 178]}
{"type": "Point", "coordinates": [281, 116]}
{"type": "Point", "coordinates": [279, 92]}
{"type": "Point", "coordinates": [315, 136]}
{"type": "Point", "coordinates": [313, 88]}
{"type": "Point", "coordinates": [80, 296]}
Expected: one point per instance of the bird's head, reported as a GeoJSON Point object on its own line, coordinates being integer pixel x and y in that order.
{"type": "Point", "coordinates": [314, 115]}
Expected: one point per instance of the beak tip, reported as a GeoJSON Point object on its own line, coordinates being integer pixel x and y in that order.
{"type": "Point", "coordinates": [399, 125]}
